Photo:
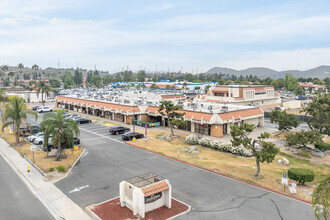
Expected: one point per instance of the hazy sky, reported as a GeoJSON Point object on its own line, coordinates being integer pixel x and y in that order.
{"type": "Point", "coordinates": [165, 34]}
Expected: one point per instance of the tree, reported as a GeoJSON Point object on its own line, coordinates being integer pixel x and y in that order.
{"type": "Point", "coordinates": [42, 88]}
{"type": "Point", "coordinates": [127, 76]}
{"type": "Point", "coordinates": [266, 150]}
{"type": "Point", "coordinates": [141, 75]}
{"type": "Point", "coordinates": [54, 83]}
{"type": "Point", "coordinates": [319, 111]}
{"type": "Point", "coordinates": [302, 138]}
{"type": "Point", "coordinates": [284, 120]}
{"type": "Point", "coordinates": [189, 77]}
{"type": "Point", "coordinates": [290, 82]}
{"type": "Point", "coordinates": [106, 79]}
{"type": "Point", "coordinates": [4, 68]}
{"type": "Point", "coordinates": [15, 110]}
{"type": "Point", "coordinates": [298, 90]}
{"type": "Point", "coordinates": [154, 86]}
{"type": "Point", "coordinates": [77, 77]}
{"type": "Point", "coordinates": [11, 75]}
{"type": "Point", "coordinates": [20, 67]}
{"type": "Point", "coordinates": [68, 80]}
{"type": "Point", "coordinates": [63, 130]}
{"type": "Point", "coordinates": [321, 199]}
{"type": "Point", "coordinates": [35, 67]}
{"type": "Point", "coordinates": [207, 88]}
{"type": "Point", "coordinates": [171, 111]}
{"type": "Point", "coordinates": [96, 80]}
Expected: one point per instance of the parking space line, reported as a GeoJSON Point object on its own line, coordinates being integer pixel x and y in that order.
{"type": "Point", "coordinates": [102, 135]}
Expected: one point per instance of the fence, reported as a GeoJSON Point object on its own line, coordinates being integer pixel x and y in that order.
{"type": "Point", "coordinates": [143, 123]}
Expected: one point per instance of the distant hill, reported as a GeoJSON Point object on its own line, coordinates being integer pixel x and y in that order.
{"type": "Point", "coordinates": [319, 72]}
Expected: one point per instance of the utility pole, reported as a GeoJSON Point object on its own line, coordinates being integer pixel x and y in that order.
{"type": "Point", "coordinates": [133, 121]}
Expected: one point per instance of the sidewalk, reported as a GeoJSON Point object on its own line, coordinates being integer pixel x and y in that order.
{"type": "Point", "coordinates": [58, 204]}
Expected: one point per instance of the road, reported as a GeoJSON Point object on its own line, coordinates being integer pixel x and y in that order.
{"type": "Point", "coordinates": [108, 161]}
{"type": "Point", "coordinates": [268, 124]}
{"type": "Point", "coordinates": [16, 199]}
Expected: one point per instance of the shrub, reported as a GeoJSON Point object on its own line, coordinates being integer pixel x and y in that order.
{"type": "Point", "coordinates": [322, 146]}
{"type": "Point", "coordinates": [191, 139]}
{"type": "Point", "coordinates": [301, 175]}
{"type": "Point", "coordinates": [61, 168]}
{"type": "Point", "coordinates": [51, 169]}
{"type": "Point", "coordinates": [205, 142]}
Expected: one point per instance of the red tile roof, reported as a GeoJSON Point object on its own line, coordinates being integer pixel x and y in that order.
{"type": "Point", "coordinates": [220, 89]}
{"type": "Point", "coordinates": [114, 107]}
{"type": "Point", "coordinates": [155, 188]}
{"type": "Point", "coordinates": [181, 96]}
{"type": "Point", "coordinates": [241, 113]}
{"type": "Point", "coordinates": [163, 86]}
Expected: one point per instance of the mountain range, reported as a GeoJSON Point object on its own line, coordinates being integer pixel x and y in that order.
{"type": "Point", "coordinates": [320, 72]}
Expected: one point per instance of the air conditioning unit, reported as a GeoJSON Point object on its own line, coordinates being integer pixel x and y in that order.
{"type": "Point", "coordinates": [209, 108]}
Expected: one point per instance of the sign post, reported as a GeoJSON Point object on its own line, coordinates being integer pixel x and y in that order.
{"type": "Point", "coordinates": [284, 181]}
{"type": "Point", "coordinates": [33, 148]}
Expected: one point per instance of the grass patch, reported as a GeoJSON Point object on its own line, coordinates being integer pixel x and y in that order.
{"type": "Point", "coordinates": [61, 169]}
{"type": "Point", "coordinates": [51, 169]}
{"type": "Point", "coordinates": [232, 165]}
{"type": "Point", "coordinates": [305, 154]}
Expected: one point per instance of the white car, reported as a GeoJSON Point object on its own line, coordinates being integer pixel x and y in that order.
{"type": "Point", "coordinates": [44, 109]}
{"type": "Point", "coordinates": [37, 135]}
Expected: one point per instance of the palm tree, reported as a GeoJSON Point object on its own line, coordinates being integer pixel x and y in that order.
{"type": "Point", "coordinates": [184, 86]}
{"type": "Point", "coordinates": [63, 130]}
{"type": "Point", "coordinates": [15, 110]}
{"type": "Point", "coordinates": [42, 88]}
{"type": "Point", "coordinates": [35, 67]}
{"type": "Point", "coordinates": [21, 66]}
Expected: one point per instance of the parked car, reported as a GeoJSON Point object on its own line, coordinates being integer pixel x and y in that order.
{"type": "Point", "coordinates": [83, 120]}
{"type": "Point", "coordinates": [301, 97]}
{"type": "Point", "coordinates": [66, 114]}
{"type": "Point", "coordinates": [28, 131]}
{"type": "Point", "coordinates": [39, 140]}
{"type": "Point", "coordinates": [35, 108]}
{"type": "Point", "coordinates": [44, 109]}
{"type": "Point", "coordinates": [76, 141]}
{"type": "Point", "coordinates": [32, 137]}
{"type": "Point", "coordinates": [130, 135]}
{"type": "Point", "coordinates": [118, 130]}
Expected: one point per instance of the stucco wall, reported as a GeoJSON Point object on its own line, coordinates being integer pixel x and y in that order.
{"type": "Point", "coordinates": [216, 131]}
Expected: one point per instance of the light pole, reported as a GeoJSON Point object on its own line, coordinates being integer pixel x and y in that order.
{"type": "Point", "coordinates": [133, 120]}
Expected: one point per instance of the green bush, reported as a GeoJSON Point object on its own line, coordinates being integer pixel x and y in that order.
{"type": "Point", "coordinates": [51, 169]}
{"type": "Point", "coordinates": [322, 146]}
{"type": "Point", "coordinates": [301, 175]}
{"type": "Point", "coordinates": [61, 168]}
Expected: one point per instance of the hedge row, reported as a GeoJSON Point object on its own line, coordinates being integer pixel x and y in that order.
{"type": "Point", "coordinates": [205, 142]}
{"type": "Point", "coordinates": [301, 175]}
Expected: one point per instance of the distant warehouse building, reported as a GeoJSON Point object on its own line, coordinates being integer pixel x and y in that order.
{"type": "Point", "coordinates": [204, 118]}
{"type": "Point", "coordinates": [241, 95]}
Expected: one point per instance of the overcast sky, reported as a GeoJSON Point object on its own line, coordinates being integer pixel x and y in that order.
{"type": "Point", "coordinates": [194, 35]}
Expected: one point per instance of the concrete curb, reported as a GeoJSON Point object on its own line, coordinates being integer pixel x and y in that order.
{"type": "Point", "coordinates": [35, 166]}
{"type": "Point", "coordinates": [224, 175]}
{"type": "Point", "coordinates": [182, 213]}
{"type": "Point", "coordinates": [71, 167]}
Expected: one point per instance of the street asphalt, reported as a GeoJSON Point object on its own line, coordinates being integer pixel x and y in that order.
{"type": "Point", "coordinates": [16, 199]}
{"type": "Point", "coordinates": [108, 161]}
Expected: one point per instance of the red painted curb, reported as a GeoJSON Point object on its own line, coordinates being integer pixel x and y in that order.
{"type": "Point", "coordinates": [221, 174]}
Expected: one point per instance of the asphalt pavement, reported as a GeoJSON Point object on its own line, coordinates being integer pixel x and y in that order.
{"type": "Point", "coordinates": [108, 161]}
{"type": "Point", "coordinates": [16, 199]}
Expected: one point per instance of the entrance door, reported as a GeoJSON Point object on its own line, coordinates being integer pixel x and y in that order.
{"type": "Point", "coordinates": [224, 128]}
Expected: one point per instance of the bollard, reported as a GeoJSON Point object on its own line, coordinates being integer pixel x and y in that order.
{"type": "Point", "coordinates": [28, 168]}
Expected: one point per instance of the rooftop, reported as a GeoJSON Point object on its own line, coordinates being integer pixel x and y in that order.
{"type": "Point", "coordinates": [145, 180]}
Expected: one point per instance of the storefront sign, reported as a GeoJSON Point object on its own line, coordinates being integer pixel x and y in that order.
{"type": "Point", "coordinates": [152, 198]}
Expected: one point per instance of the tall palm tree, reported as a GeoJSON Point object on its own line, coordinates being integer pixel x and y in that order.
{"type": "Point", "coordinates": [63, 131]}
{"type": "Point", "coordinates": [21, 66]}
{"type": "Point", "coordinates": [15, 110]}
{"type": "Point", "coordinates": [42, 88]}
{"type": "Point", "coordinates": [35, 67]}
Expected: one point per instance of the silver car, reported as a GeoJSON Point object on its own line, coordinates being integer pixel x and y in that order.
{"type": "Point", "coordinates": [37, 135]}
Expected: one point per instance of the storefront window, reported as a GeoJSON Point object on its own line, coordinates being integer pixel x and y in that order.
{"type": "Point", "coordinates": [202, 129]}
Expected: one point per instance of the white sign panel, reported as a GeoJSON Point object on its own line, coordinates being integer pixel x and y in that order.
{"type": "Point", "coordinates": [33, 147]}
{"type": "Point", "coordinates": [292, 190]}
{"type": "Point", "coordinates": [294, 184]}
{"type": "Point", "coordinates": [284, 181]}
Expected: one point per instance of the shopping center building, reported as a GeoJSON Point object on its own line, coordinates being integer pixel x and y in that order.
{"type": "Point", "coordinates": [206, 118]}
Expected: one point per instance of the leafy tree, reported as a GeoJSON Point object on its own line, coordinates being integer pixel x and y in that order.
{"type": "Point", "coordinates": [127, 76]}
{"type": "Point", "coordinates": [321, 200]}
{"type": "Point", "coordinates": [154, 86]}
{"type": "Point", "coordinates": [15, 111]}
{"type": "Point", "coordinates": [189, 77]}
{"type": "Point", "coordinates": [4, 68]}
{"type": "Point", "coordinates": [141, 75]}
{"type": "Point", "coordinates": [77, 77]}
{"type": "Point", "coordinates": [32, 82]}
{"type": "Point", "coordinates": [207, 88]}
{"type": "Point", "coordinates": [197, 87]}
{"type": "Point", "coordinates": [303, 138]}
{"type": "Point", "coordinates": [63, 130]}
{"type": "Point", "coordinates": [35, 67]}
{"type": "Point", "coordinates": [96, 80]}
{"type": "Point", "coordinates": [106, 79]}
{"type": "Point", "coordinates": [11, 75]}
{"type": "Point", "coordinates": [168, 87]}
{"type": "Point", "coordinates": [284, 120]}
{"type": "Point", "coordinates": [290, 82]}
{"type": "Point", "coordinates": [319, 111]}
{"type": "Point", "coordinates": [267, 150]}
{"type": "Point", "coordinates": [68, 80]}
{"type": "Point", "coordinates": [298, 91]}
{"type": "Point", "coordinates": [43, 88]}
{"type": "Point", "coordinates": [171, 111]}
{"type": "Point", "coordinates": [20, 67]}
{"type": "Point", "coordinates": [55, 83]}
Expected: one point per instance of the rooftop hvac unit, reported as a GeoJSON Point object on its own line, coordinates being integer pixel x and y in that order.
{"type": "Point", "coordinates": [117, 100]}
{"type": "Point", "coordinates": [209, 108]}
{"type": "Point", "coordinates": [224, 108]}
{"type": "Point", "coordinates": [194, 105]}
{"type": "Point", "coordinates": [127, 101]}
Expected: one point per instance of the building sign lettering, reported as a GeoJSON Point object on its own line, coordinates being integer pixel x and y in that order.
{"type": "Point", "coordinates": [152, 198]}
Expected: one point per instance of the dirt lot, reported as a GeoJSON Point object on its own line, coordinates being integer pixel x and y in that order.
{"type": "Point", "coordinates": [235, 166]}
